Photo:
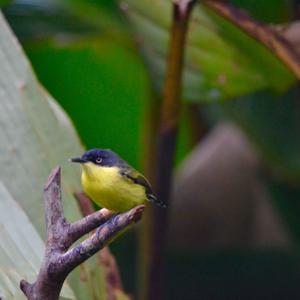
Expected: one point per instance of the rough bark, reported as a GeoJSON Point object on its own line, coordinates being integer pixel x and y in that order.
{"type": "Point", "coordinates": [59, 260]}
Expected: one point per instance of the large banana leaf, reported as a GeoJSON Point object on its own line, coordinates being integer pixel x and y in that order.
{"type": "Point", "coordinates": [96, 67]}
{"type": "Point", "coordinates": [36, 135]}
{"type": "Point", "coordinates": [21, 249]}
{"type": "Point", "coordinates": [222, 61]}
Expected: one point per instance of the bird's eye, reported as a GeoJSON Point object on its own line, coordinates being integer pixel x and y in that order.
{"type": "Point", "coordinates": [98, 160]}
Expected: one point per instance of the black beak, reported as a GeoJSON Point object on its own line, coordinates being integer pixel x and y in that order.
{"type": "Point", "coordinates": [77, 160]}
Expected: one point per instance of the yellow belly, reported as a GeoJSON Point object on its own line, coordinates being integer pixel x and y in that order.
{"type": "Point", "coordinates": [106, 187]}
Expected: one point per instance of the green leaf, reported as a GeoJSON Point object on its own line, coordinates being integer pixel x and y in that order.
{"type": "Point", "coordinates": [222, 61]}
{"type": "Point", "coordinates": [21, 249]}
{"type": "Point", "coordinates": [103, 14]}
{"type": "Point", "coordinates": [42, 19]}
{"type": "Point", "coordinates": [36, 135]}
{"type": "Point", "coordinates": [4, 2]}
{"type": "Point", "coordinates": [269, 11]}
{"type": "Point", "coordinates": [111, 89]}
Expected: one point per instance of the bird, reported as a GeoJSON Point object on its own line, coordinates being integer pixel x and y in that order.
{"type": "Point", "coordinates": [112, 183]}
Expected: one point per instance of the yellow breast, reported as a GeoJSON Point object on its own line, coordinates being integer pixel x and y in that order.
{"type": "Point", "coordinates": [109, 189]}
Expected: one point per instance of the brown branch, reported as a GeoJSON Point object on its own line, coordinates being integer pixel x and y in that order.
{"type": "Point", "coordinates": [112, 274]}
{"type": "Point", "coordinates": [157, 219]}
{"type": "Point", "coordinates": [106, 259]}
{"type": "Point", "coordinates": [87, 224]}
{"type": "Point", "coordinates": [197, 127]}
{"type": "Point", "coordinates": [103, 235]}
{"type": "Point", "coordinates": [58, 260]}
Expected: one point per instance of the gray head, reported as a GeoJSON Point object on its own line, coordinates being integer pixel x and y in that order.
{"type": "Point", "coordinates": [101, 157]}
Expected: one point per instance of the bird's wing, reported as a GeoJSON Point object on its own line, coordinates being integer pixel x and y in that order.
{"type": "Point", "coordinates": [137, 178]}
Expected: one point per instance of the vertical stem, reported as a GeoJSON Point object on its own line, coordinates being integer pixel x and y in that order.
{"type": "Point", "coordinates": [156, 221]}
{"type": "Point", "coordinates": [197, 126]}
{"type": "Point", "coordinates": [149, 158]}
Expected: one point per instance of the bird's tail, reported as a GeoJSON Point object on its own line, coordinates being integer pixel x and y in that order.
{"type": "Point", "coordinates": [156, 201]}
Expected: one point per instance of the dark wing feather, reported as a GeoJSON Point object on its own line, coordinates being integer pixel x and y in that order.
{"type": "Point", "coordinates": [138, 178]}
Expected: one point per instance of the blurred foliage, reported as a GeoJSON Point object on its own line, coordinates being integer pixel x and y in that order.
{"type": "Point", "coordinates": [273, 124]}
{"type": "Point", "coordinates": [286, 200]}
{"type": "Point", "coordinates": [268, 11]}
{"type": "Point", "coordinates": [35, 136]}
{"type": "Point", "coordinates": [222, 61]}
{"type": "Point", "coordinates": [105, 55]}
{"type": "Point", "coordinates": [21, 249]}
{"type": "Point", "coordinates": [90, 83]}
{"type": "Point", "coordinates": [38, 20]}
{"type": "Point", "coordinates": [4, 2]}
{"type": "Point", "coordinates": [84, 55]}
{"type": "Point", "coordinates": [87, 78]}
{"type": "Point", "coordinates": [100, 13]}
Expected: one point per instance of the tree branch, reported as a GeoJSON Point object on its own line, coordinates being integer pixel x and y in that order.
{"type": "Point", "coordinates": [103, 235]}
{"type": "Point", "coordinates": [106, 259]}
{"type": "Point", "coordinates": [87, 224]}
{"type": "Point", "coordinates": [58, 260]}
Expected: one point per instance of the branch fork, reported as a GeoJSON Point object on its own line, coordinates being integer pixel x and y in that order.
{"type": "Point", "coordinates": [60, 259]}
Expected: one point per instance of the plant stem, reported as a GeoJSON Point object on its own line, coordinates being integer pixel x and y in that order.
{"type": "Point", "coordinates": [157, 218]}
{"type": "Point", "coordinates": [197, 126]}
